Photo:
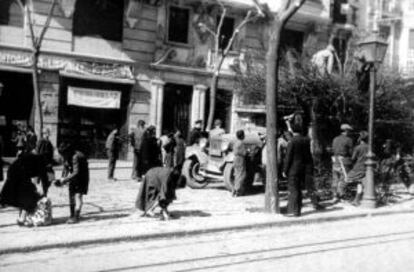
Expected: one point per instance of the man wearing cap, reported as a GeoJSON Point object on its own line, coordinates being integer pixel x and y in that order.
{"type": "Point", "coordinates": [342, 147]}
{"type": "Point", "coordinates": [195, 133]}
{"type": "Point", "coordinates": [217, 130]}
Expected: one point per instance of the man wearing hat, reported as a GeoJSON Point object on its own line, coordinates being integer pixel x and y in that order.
{"type": "Point", "coordinates": [342, 147]}
{"type": "Point", "coordinates": [195, 133]}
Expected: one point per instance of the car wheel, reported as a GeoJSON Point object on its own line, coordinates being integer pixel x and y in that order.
{"type": "Point", "coordinates": [229, 176]}
{"type": "Point", "coordinates": [191, 173]}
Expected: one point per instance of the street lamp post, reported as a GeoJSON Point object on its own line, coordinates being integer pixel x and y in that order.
{"type": "Point", "coordinates": [373, 51]}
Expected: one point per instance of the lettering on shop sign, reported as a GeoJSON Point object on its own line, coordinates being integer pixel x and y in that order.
{"type": "Point", "coordinates": [109, 70]}
{"type": "Point", "coordinates": [92, 98]}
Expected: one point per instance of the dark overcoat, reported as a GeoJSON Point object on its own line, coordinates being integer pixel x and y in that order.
{"type": "Point", "coordinates": [19, 191]}
{"type": "Point", "coordinates": [159, 185]}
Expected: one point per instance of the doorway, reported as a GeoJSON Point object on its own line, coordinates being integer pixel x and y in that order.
{"type": "Point", "coordinates": [176, 108]}
{"type": "Point", "coordinates": [16, 102]}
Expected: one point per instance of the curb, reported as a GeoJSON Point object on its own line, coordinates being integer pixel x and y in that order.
{"type": "Point", "coordinates": [194, 232]}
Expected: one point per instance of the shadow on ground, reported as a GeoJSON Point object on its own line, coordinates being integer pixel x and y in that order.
{"type": "Point", "coordinates": [188, 213]}
{"type": "Point", "coordinates": [94, 218]}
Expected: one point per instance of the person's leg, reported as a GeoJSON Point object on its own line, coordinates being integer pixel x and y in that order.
{"type": "Point", "coordinates": [111, 164]}
{"type": "Point", "coordinates": [293, 207]}
{"type": "Point", "coordinates": [22, 217]}
{"type": "Point", "coordinates": [78, 205]}
{"type": "Point", "coordinates": [134, 174]}
{"type": "Point", "coordinates": [358, 196]}
{"type": "Point", "coordinates": [72, 205]}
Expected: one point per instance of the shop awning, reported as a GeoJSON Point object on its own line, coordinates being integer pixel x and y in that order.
{"type": "Point", "coordinates": [98, 78]}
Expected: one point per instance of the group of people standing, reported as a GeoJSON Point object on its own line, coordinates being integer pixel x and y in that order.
{"type": "Point", "coordinates": [31, 174]}
{"type": "Point", "coordinates": [348, 163]}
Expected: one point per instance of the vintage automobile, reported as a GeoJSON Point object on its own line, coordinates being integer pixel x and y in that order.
{"type": "Point", "coordinates": [212, 159]}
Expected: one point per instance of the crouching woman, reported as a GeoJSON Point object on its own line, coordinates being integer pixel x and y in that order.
{"type": "Point", "coordinates": [158, 189]}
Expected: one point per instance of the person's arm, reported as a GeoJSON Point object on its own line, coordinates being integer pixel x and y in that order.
{"type": "Point", "coordinates": [75, 172]}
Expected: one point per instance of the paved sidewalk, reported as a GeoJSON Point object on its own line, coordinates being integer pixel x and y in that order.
{"type": "Point", "coordinates": [108, 215]}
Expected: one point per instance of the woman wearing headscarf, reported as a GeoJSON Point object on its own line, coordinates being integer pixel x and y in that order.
{"type": "Point", "coordinates": [158, 190]}
{"type": "Point", "coordinates": [150, 151]}
{"type": "Point", "coordinates": [20, 189]}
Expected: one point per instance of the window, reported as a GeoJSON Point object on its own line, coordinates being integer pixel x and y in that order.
{"type": "Point", "coordinates": [11, 13]}
{"type": "Point", "coordinates": [178, 24]}
{"type": "Point", "coordinates": [291, 39]}
{"type": "Point", "coordinates": [102, 18]}
{"type": "Point", "coordinates": [338, 13]}
{"type": "Point", "coordinates": [226, 31]}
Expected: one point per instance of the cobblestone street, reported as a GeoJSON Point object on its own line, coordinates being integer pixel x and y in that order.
{"type": "Point", "coordinates": [108, 215]}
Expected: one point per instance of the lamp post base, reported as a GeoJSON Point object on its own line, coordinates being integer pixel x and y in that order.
{"type": "Point", "coordinates": [369, 200]}
{"type": "Point", "coordinates": [369, 203]}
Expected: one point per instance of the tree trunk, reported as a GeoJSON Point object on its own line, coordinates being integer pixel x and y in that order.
{"type": "Point", "coordinates": [212, 107]}
{"type": "Point", "coordinates": [272, 85]}
{"type": "Point", "coordinates": [38, 116]}
{"type": "Point", "coordinates": [314, 132]}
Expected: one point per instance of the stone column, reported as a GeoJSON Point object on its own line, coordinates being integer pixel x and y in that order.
{"type": "Point", "coordinates": [198, 103]}
{"type": "Point", "coordinates": [234, 115]}
{"type": "Point", "coordinates": [156, 103]}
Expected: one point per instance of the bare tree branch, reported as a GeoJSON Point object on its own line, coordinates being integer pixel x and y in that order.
{"type": "Point", "coordinates": [236, 31]}
{"type": "Point", "coordinates": [291, 9]}
{"type": "Point", "coordinates": [29, 18]}
{"type": "Point", "coordinates": [218, 30]}
{"type": "Point", "coordinates": [47, 24]}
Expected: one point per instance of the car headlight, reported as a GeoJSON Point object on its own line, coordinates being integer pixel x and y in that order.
{"type": "Point", "coordinates": [224, 146]}
{"type": "Point", "coordinates": [203, 142]}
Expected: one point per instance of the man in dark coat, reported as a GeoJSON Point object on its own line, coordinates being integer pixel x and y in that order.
{"type": "Point", "coordinates": [45, 148]}
{"type": "Point", "coordinates": [31, 139]}
{"type": "Point", "coordinates": [158, 189]}
{"type": "Point", "coordinates": [76, 174]}
{"type": "Point", "coordinates": [150, 155]}
{"type": "Point", "coordinates": [195, 133]}
{"type": "Point", "coordinates": [136, 137]}
{"type": "Point", "coordinates": [342, 147]}
{"type": "Point", "coordinates": [298, 159]}
{"type": "Point", "coordinates": [112, 146]}
{"type": "Point", "coordinates": [179, 152]}
{"type": "Point", "coordinates": [19, 190]}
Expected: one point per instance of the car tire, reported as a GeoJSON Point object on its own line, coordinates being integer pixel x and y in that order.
{"type": "Point", "coordinates": [229, 177]}
{"type": "Point", "coordinates": [190, 173]}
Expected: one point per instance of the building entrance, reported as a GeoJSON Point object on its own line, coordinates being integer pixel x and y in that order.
{"type": "Point", "coordinates": [16, 101]}
{"type": "Point", "coordinates": [176, 108]}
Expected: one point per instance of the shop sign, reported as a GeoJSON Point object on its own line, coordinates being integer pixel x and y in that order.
{"type": "Point", "coordinates": [92, 98]}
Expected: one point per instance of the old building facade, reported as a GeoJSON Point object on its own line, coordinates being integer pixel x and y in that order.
{"type": "Point", "coordinates": [110, 63]}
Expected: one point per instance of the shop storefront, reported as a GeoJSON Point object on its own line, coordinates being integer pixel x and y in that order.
{"type": "Point", "coordinates": [81, 100]}
{"type": "Point", "coordinates": [89, 110]}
